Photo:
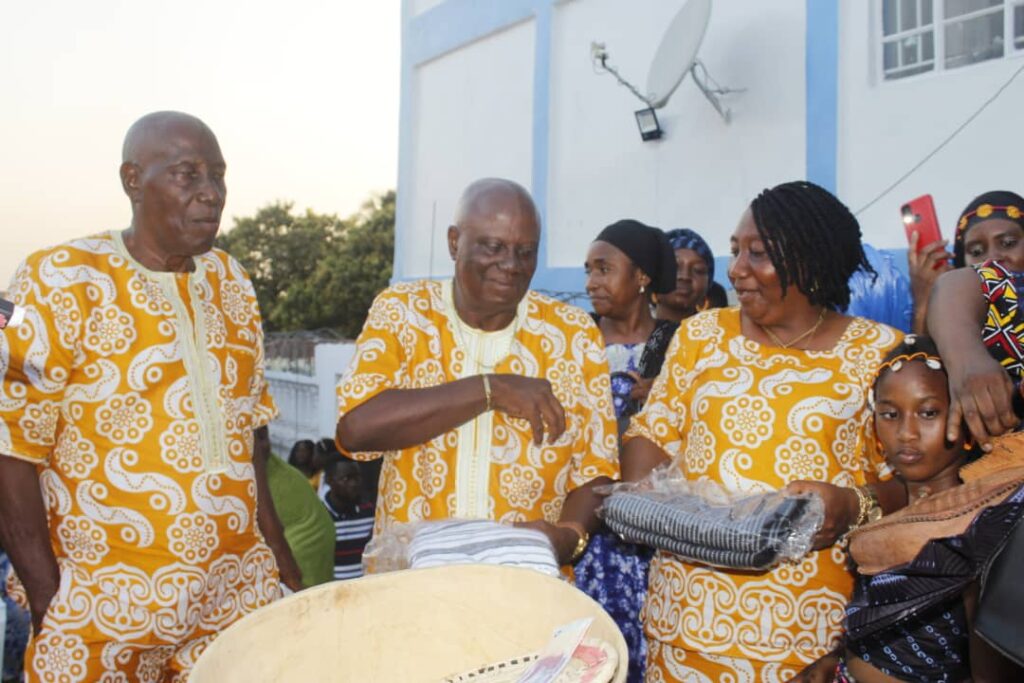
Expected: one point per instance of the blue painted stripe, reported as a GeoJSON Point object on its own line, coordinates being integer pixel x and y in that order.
{"type": "Point", "coordinates": [542, 124]}
{"type": "Point", "coordinates": [455, 23]}
{"type": "Point", "coordinates": [822, 74]}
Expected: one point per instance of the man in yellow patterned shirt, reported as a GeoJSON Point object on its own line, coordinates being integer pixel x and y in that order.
{"type": "Point", "coordinates": [134, 436]}
{"type": "Point", "coordinates": [487, 400]}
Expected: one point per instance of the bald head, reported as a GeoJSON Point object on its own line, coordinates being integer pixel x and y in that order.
{"type": "Point", "coordinates": [152, 132]}
{"type": "Point", "coordinates": [173, 172]}
{"type": "Point", "coordinates": [491, 197]}
{"type": "Point", "coordinates": [494, 244]}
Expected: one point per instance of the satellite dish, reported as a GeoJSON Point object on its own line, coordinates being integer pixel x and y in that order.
{"type": "Point", "coordinates": [676, 56]}
{"type": "Point", "coordinates": [677, 53]}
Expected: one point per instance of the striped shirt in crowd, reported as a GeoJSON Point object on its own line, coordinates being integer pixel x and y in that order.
{"type": "Point", "coordinates": [352, 531]}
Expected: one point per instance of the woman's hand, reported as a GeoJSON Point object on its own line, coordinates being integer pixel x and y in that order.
{"type": "Point", "coordinates": [819, 671]}
{"type": "Point", "coordinates": [924, 267]}
{"type": "Point", "coordinates": [842, 507]}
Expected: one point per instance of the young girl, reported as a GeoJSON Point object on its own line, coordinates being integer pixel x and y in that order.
{"type": "Point", "coordinates": [911, 621]}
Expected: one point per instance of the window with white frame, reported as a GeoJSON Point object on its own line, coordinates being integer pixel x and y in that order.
{"type": "Point", "coordinates": [935, 35]}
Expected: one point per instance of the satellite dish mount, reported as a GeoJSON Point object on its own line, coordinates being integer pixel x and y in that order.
{"type": "Point", "coordinates": [675, 57]}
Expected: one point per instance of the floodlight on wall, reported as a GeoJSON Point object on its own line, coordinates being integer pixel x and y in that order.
{"type": "Point", "coordinates": [675, 57]}
{"type": "Point", "coordinates": [647, 121]}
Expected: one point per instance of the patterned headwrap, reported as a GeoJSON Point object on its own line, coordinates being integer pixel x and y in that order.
{"type": "Point", "coordinates": [996, 204]}
{"type": "Point", "coordinates": [684, 238]}
{"type": "Point", "coordinates": [647, 248]}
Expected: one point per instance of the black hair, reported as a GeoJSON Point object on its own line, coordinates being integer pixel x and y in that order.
{"type": "Point", "coordinates": [813, 241]}
{"type": "Point", "coordinates": [335, 461]}
{"type": "Point", "coordinates": [297, 446]}
{"type": "Point", "coordinates": [327, 446]}
{"type": "Point", "coordinates": [717, 297]}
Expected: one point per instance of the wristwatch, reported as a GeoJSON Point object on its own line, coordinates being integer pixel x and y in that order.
{"type": "Point", "coordinates": [581, 544]}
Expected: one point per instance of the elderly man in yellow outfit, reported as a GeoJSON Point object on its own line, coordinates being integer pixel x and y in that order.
{"type": "Point", "coordinates": [487, 400]}
{"type": "Point", "coordinates": [134, 434]}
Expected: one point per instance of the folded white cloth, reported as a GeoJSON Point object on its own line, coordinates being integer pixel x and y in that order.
{"type": "Point", "coordinates": [479, 541]}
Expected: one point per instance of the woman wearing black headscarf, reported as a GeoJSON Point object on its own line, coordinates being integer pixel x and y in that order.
{"type": "Point", "coordinates": [626, 264]}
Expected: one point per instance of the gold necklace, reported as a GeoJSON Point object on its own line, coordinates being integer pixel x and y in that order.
{"type": "Point", "coordinates": [810, 331]}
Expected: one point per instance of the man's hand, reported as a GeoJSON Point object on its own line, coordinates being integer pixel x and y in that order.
{"type": "Point", "coordinates": [288, 568]}
{"type": "Point", "coordinates": [563, 539]}
{"type": "Point", "coordinates": [266, 515]}
{"type": "Point", "coordinates": [531, 399]}
{"type": "Point", "coordinates": [980, 393]}
{"type": "Point", "coordinates": [25, 535]}
{"type": "Point", "coordinates": [39, 604]}
{"type": "Point", "coordinates": [842, 507]}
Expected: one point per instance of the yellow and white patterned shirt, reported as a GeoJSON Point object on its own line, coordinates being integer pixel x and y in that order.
{"type": "Point", "coordinates": [753, 419]}
{"type": "Point", "coordinates": [136, 393]}
{"type": "Point", "coordinates": [488, 468]}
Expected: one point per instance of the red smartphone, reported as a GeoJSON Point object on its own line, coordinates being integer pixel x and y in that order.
{"type": "Point", "coordinates": [919, 216]}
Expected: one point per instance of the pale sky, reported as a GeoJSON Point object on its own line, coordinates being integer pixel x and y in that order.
{"type": "Point", "coordinates": [303, 96]}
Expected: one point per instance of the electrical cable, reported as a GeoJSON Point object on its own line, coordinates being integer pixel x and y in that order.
{"type": "Point", "coordinates": [945, 142]}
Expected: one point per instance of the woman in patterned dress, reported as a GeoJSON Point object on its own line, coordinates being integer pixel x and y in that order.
{"type": "Point", "coordinates": [769, 395]}
{"type": "Point", "coordinates": [626, 264]}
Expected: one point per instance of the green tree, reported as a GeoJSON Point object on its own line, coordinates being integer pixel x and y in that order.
{"type": "Point", "coordinates": [342, 287]}
{"type": "Point", "coordinates": [315, 271]}
{"type": "Point", "coordinates": [276, 247]}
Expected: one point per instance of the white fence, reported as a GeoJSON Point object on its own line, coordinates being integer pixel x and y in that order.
{"type": "Point", "coordinates": [307, 404]}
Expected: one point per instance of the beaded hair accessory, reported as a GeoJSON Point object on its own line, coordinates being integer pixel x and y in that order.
{"type": "Point", "coordinates": [896, 363]}
{"type": "Point", "coordinates": [986, 211]}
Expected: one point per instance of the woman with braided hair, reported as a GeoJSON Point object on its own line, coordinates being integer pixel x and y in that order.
{"type": "Point", "coordinates": [771, 394]}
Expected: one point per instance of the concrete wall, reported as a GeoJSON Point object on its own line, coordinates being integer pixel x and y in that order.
{"type": "Point", "coordinates": [469, 124]}
{"type": "Point", "coordinates": [307, 404]}
{"type": "Point", "coordinates": [507, 87]}
{"type": "Point", "coordinates": [703, 171]}
{"type": "Point", "coordinates": [885, 127]}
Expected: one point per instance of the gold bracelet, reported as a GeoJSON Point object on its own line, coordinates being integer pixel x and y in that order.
{"type": "Point", "coordinates": [581, 544]}
{"type": "Point", "coordinates": [487, 392]}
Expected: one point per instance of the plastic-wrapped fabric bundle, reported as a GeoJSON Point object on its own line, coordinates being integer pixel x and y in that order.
{"type": "Point", "coordinates": [701, 522]}
{"type": "Point", "coordinates": [886, 298]}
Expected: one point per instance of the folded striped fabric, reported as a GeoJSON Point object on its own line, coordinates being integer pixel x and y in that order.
{"type": "Point", "coordinates": [478, 541]}
{"type": "Point", "coordinates": [754, 533]}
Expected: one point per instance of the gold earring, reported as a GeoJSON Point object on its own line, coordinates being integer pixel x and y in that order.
{"type": "Point", "coordinates": [642, 289]}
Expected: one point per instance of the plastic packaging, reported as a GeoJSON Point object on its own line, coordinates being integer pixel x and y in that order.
{"type": "Point", "coordinates": [701, 522]}
{"type": "Point", "coordinates": [417, 545]}
{"type": "Point", "coordinates": [11, 315]}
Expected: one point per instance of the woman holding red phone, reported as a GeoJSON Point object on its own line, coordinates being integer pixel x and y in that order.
{"type": "Point", "coordinates": [990, 228]}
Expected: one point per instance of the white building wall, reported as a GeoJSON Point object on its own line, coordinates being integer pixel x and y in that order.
{"type": "Point", "coordinates": [472, 117]}
{"type": "Point", "coordinates": [307, 404]}
{"type": "Point", "coordinates": [421, 6]}
{"type": "Point", "coordinates": [703, 172]}
{"type": "Point", "coordinates": [885, 127]}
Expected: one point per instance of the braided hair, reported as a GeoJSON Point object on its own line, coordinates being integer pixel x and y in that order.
{"type": "Point", "coordinates": [813, 241]}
